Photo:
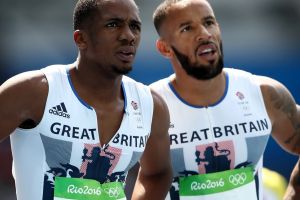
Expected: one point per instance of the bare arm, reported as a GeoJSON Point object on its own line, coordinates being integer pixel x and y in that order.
{"type": "Point", "coordinates": [22, 100]}
{"type": "Point", "coordinates": [293, 189]}
{"type": "Point", "coordinates": [284, 114]}
{"type": "Point", "coordinates": [155, 174]}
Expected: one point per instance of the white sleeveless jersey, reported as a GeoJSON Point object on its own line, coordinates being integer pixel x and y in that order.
{"type": "Point", "coordinates": [230, 134]}
{"type": "Point", "coordinates": [66, 141]}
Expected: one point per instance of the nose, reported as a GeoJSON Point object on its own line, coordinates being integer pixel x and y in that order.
{"type": "Point", "coordinates": [203, 33]}
{"type": "Point", "coordinates": [128, 36]}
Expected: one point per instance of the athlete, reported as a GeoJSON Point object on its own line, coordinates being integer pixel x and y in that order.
{"type": "Point", "coordinates": [221, 118]}
{"type": "Point", "coordinates": [77, 129]}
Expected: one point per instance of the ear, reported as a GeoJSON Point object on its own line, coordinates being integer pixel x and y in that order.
{"type": "Point", "coordinates": [163, 48]}
{"type": "Point", "coordinates": [80, 39]}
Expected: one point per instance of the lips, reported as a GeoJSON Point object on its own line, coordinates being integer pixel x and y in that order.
{"type": "Point", "coordinates": [126, 54]}
{"type": "Point", "coordinates": [207, 51]}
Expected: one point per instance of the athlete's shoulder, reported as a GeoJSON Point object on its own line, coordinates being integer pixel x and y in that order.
{"type": "Point", "coordinates": [237, 72]}
{"type": "Point", "coordinates": [161, 84]}
{"type": "Point", "coordinates": [130, 81]}
{"type": "Point", "coordinates": [22, 97]}
{"type": "Point", "coordinates": [260, 80]}
{"type": "Point", "coordinates": [28, 86]}
{"type": "Point", "coordinates": [137, 91]}
{"type": "Point", "coordinates": [26, 81]}
{"type": "Point", "coordinates": [56, 69]}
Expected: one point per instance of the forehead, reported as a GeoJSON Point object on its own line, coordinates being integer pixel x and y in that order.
{"type": "Point", "coordinates": [187, 11]}
{"type": "Point", "coordinates": [124, 9]}
{"type": "Point", "coordinates": [190, 9]}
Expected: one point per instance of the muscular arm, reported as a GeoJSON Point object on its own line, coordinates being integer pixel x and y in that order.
{"type": "Point", "coordinates": [155, 174]}
{"type": "Point", "coordinates": [22, 99]}
{"type": "Point", "coordinates": [293, 189]}
{"type": "Point", "coordinates": [284, 114]}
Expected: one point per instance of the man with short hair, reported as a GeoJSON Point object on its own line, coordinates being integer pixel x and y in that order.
{"type": "Point", "coordinates": [221, 118]}
{"type": "Point", "coordinates": [77, 129]}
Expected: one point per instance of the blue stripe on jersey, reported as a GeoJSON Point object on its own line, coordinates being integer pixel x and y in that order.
{"type": "Point", "coordinates": [76, 94]}
{"type": "Point", "coordinates": [125, 97]}
{"type": "Point", "coordinates": [194, 106]}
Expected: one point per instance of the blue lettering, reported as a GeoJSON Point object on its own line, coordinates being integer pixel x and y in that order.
{"type": "Point", "coordinates": [183, 138]}
{"type": "Point", "coordinates": [173, 138]}
{"type": "Point", "coordinates": [264, 124]}
{"type": "Point", "coordinates": [217, 132]}
{"type": "Point", "coordinates": [124, 139]}
{"type": "Point", "coordinates": [56, 130]}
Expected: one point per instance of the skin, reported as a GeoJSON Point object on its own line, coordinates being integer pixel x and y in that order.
{"type": "Point", "coordinates": [97, 80]}
{"type": "Point", "coordinates": [201, 25]}
{"type": "Point", "coordinates": [293, 189]}
{"type": "Point", "coordinates": [189, 24]}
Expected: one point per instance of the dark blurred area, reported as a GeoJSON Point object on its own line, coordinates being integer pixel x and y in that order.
{"type": "Point", "coordinates": [261, 37]}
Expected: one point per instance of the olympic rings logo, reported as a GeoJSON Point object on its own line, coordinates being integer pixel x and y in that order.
{"type": "Point", "coordinates": [113, 192]}
{"type": "Point", "coordinates": [238, 179]}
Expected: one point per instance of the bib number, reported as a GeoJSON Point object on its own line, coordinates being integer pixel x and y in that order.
{"type": "Point", "coordinates": [86, 189]}
{"type": "Point", "coordinates": [235, 184]}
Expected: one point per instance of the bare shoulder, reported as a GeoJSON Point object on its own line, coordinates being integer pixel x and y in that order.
{"type": "Point", "coordinates": [22, 98]}
{"type": "Point", "coordinates": [283, 112]}
{"type": "Point", "coordinates": [27, 84]}
{"type": "Point", "coordinates": [276, 96]}
{"type": "Point", "coordinates": [30, 77]}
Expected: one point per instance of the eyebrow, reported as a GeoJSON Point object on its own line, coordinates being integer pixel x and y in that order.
{"type": "Point", "coordinates": [210, 17]}
{"type": "Point", "coordinates": [122, 20]}
{"type": "Point", "coordinates": [184, 24]}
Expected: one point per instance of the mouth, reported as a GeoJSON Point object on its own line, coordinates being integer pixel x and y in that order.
{"type": "Point", "coordinates": [207, 51]}
{"type": "Point", "coordinates": [126, 54]}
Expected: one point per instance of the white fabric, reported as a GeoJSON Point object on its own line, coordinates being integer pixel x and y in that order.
{"type": "Point", "coordinates": [229, 134]}
{"type": "Point", "coordinates": [66, 141]}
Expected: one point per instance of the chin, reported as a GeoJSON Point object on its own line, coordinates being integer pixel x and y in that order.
{"type": "Point", "coordinates": [123, 70]}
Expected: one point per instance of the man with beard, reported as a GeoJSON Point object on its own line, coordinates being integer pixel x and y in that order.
{"type": "Point", "coordinates": [221, 118]}
{"type": "Point", "coordinates": [72, 124]}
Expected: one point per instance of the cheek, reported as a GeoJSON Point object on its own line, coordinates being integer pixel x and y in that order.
{"type": "Point", "coordinates": [137, 40]}
{"type": "Point", "coordinates": [217, 35]}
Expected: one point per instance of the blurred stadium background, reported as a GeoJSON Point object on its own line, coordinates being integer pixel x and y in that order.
{"type": "Point", "coordinates": [259, 36]}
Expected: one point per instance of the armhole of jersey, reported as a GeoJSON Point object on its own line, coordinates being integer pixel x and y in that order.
{"type": "Point", "coordinates": [143, 94]}
{"type": "Point", "coordinates": [147, 102]}
{"type": "Point", "coordinates": [150, 108]}
{"type": "Point", "coordinates": [259, 92]}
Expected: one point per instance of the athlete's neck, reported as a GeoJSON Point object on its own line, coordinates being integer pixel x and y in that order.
{"type": "Point", "coordinates": [200, 92]}
{"type": "Point", "coordinates": [91, 85]}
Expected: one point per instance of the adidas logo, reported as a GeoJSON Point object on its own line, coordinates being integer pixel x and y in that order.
{"type": "Point", "coordinates": [59, 110]}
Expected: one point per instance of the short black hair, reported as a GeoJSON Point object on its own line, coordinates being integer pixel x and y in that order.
{"type": "Point", "coordinates": [161, 13]}
{"type": "Point", "coordinates": [84, 13]}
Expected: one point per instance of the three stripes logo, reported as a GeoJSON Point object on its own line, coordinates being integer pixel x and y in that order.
{"type": "Point", "coordinates": [59, 110]}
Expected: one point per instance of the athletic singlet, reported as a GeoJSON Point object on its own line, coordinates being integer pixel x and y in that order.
{"type": "Point", "coordinates": [231, 134]}
{"type": "Point", "coordinates": [66, 141]}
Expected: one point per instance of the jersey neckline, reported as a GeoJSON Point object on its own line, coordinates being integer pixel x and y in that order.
{"type": "Point", "coordinates": [85, 103]}
{"type": "Point", "coordinates": [195, 106]}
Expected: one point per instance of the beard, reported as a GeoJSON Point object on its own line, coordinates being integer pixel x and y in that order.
{"type": "Point", "coordinates": [200, 71]}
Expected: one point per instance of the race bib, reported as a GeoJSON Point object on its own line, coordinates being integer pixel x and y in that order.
{"type": "Point", "coordinates": [237, 184]}
{"type": "Point", "coordinates": [87, 189]}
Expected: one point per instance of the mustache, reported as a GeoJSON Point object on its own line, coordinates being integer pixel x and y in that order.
{"type": "Point", "coordinates": [206, 42]}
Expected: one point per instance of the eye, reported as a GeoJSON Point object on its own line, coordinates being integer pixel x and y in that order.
{"type": "Point", "coordinates": [185, 29]}
{"type": "Point", "coordinates": [112, 24]}
{"type": "Point", "coordinates": [135, 27]}
{"type": "Point", "coordinates": [208, 23]}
